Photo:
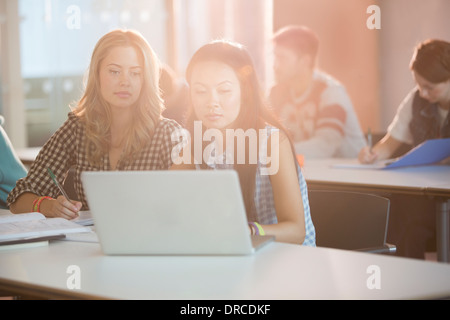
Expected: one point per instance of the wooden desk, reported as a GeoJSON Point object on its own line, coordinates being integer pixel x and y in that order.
{"type": "Point", "coordinates": [428, 181]}
{"type": "Point", "coordinates": [277, 271]}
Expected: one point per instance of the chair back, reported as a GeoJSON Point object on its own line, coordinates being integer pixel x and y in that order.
{"type": "Point", "coordinates": [349, 220]}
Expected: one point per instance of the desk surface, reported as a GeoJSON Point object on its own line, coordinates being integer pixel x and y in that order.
{"type": "Point", "coordinates": [412, 180]}
{"type": "Point", "coordinates": [277, 271]}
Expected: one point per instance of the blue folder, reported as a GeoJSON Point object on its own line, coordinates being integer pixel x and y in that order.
{"type": "Point", "coordinates": [428, 152]}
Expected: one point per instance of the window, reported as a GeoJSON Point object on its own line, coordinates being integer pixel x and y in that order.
{"type": "Point", "coordinates": [57, 38]}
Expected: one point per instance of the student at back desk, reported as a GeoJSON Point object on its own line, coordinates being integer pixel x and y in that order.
{"type": "Point", "coordinates": [423, 115]}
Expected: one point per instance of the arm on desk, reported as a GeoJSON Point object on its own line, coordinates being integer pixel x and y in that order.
{"type": "Point", "coordinates": [383, 150]}
{"type": "Point", "coordinates": [60, 207]}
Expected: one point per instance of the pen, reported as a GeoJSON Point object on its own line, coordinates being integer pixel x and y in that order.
{"type": "Point", "coordinates": [57, 184]}
{"type": "Point", "coordinates": [369, 139]}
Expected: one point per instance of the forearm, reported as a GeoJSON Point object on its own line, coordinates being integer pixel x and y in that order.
{"type": "Point", "coordinates": [24, 203]}
{"type": "Point", "coordinates": [289, 232]}
{"type": "Point", "coordinates": [386, 147]}
{"type": "Point", "coordinates": [383, 150]}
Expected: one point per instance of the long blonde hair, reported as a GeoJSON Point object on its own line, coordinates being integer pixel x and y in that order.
{"type": "Point", "coordinates": [94, 111]}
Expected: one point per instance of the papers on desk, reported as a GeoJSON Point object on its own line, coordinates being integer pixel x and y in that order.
{"type": "Point", "coordinates": [34, 225]}
{"type": "Point", "coordinates": [429, 152]}
{"type": "Point", "coordinates": [355, 164]}
{"type": "Point", "coordinates": [84, 218]}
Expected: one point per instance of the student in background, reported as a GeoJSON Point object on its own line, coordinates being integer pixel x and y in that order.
{"type": "Point", "coordinates": [116, 125]}
{"type": "Point", "coordinates": [314, 107]}
{"type": "Point", "coordinates": [11, 168]}
{"type": "Point", "coordinates": [226, 97]}
{"type": "Point", "coordinates": [423, 115]}
{"type": "Point", "coordinates": [174, 91]}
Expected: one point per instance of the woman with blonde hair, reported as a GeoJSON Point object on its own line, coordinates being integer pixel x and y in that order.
{"type": "Point", "coordinates": [116, 125]}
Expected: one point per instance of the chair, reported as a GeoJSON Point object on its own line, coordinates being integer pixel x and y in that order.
{"type": "Point", "coordinates": [350, 220]}
{"type": "Point", "coordinates": [69, 185]}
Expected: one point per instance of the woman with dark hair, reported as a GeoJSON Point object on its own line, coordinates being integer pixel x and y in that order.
{"type": "Point", "coordinates": [424, 113]}
{"type": "Point", "coordinates": [226, 100]}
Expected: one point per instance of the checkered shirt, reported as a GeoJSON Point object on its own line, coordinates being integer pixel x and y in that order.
{"type": "Point", "coordinates": [66, 149]}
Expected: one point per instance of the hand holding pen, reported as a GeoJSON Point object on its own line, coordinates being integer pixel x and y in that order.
{"type": "Point", "coordinates": [63, 206]}
{"type": "Point", "coordinates": [369, 139]}
{"type": "Point", "coordinates": [366, 155]}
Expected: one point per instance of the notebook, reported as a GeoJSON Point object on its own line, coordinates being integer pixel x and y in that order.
{"type": "Point", "coordinates": [428, 152]}
{"type": "Point", "coordinates": [169, 213]}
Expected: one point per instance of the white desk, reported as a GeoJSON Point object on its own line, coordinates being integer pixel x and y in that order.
{"type": "Point", "coordinates": [277, 271]}
{"type": "Point", "coordinates": [428, 181]}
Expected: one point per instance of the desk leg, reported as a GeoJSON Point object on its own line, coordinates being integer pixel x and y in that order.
{"type": "Point", "coordinates": [443, 230]}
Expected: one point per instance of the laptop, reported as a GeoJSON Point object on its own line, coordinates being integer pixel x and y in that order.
{"type": "Point", "coordinates": [170, 213]}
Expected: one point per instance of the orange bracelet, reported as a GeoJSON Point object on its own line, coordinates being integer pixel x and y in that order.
{"type": "Point", "coordinates": [37, 203]}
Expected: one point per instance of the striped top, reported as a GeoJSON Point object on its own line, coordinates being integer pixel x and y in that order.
{"type": "Point", "coordinates": [322, 120]}
{"type": "Point", "coordinates": [264, 208]}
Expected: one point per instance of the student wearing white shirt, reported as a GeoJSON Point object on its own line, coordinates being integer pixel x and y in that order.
{"type": "Point", "coordinates": [423, 115]}
{"type": "Point", "coordinates": [312, 105]}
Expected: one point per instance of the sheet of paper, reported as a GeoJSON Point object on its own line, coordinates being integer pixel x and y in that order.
{"type": "Point", "coordinates": [84, 218]}
{"type": "Point", "coordinates": [8, 217]}
{"type": "Point", "coordinates": [355, 164]}
{"type": "Point", "coordinates": [41, 227]}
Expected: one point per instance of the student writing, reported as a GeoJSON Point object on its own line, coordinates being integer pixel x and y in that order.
{"type": "Point", "coordinates": [116, 125]}
{"type": "Point", "coordinates": [424, 113]}
{"type": "Point", "coordinates": [314, 107]}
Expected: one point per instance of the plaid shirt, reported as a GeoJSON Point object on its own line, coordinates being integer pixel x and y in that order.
{"type": "Point", "coordinates": [264, 208]}
{"type": "Point", "coordinates": [66, 149]}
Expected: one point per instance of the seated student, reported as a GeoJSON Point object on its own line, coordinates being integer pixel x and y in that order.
{"type": "Point", "coordinates": [226, 100]}
{"type": "Point", "coordinates": [423, 114]}
{"type": "Point", "coordinates": [314, 107]}
{"type": "Point", "coordinates": [117, 125]}
{"type": "Point", "coordinates": [11, 168]}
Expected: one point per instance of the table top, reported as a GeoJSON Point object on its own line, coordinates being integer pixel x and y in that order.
{"type": "Point", "coordinates": [415, 180]}
{"type": "Point", "coordinates": [277, 271]}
